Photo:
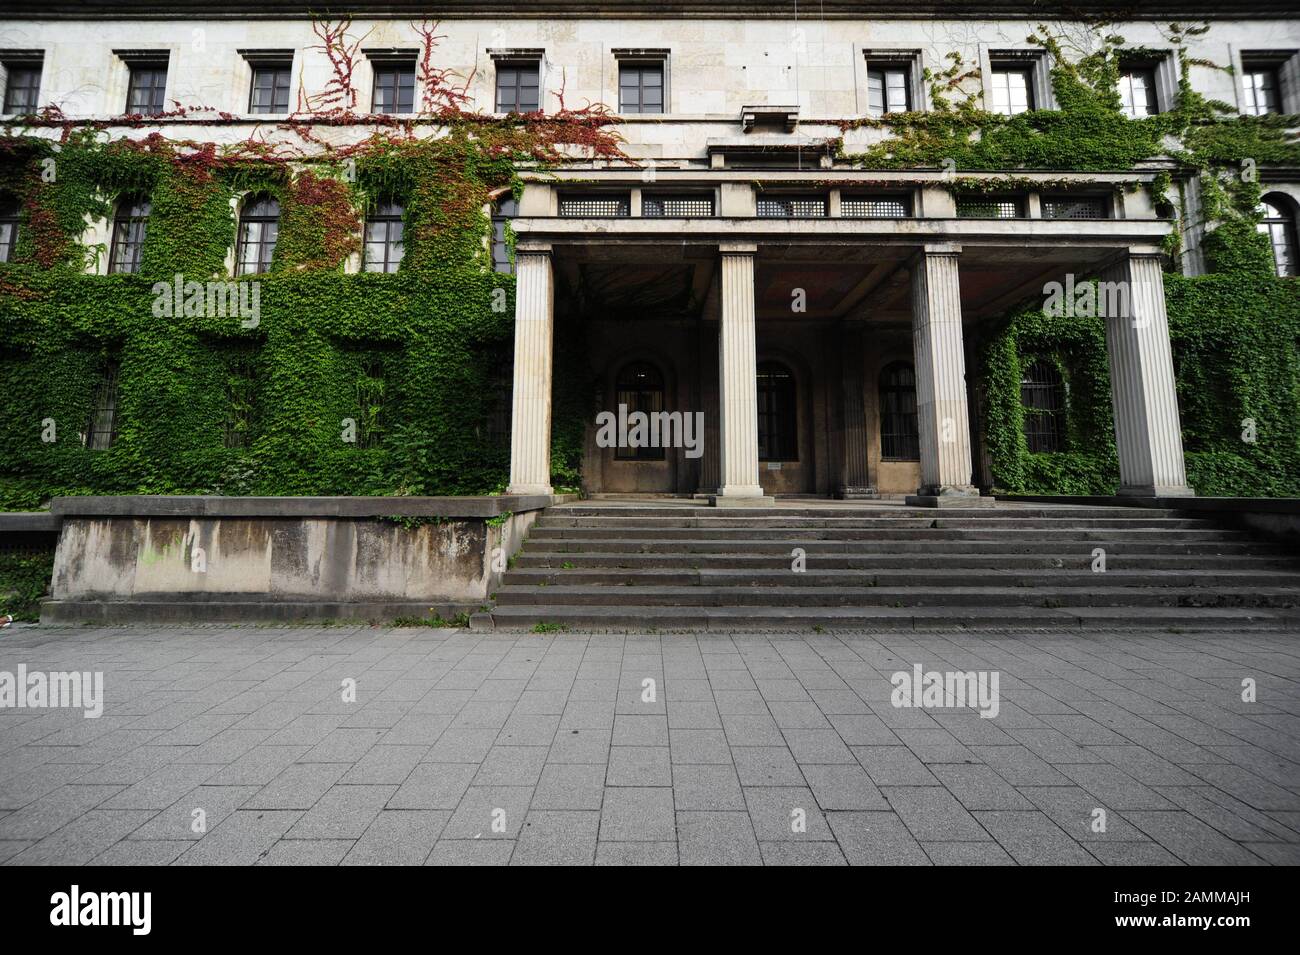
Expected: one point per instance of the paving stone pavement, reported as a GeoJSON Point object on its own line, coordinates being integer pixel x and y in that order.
{"type": "Point", "coordinates": [517, 748]}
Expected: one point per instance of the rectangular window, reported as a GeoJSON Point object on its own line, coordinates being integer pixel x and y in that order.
{"type": "Point", "coordinates": [983, 207]}
{"type": "Point", "coordinates": [875, 207]}
{"type": "Point", "coordinates": [1013, 89]}
{"type": "Point", "coordinates": [640, 87]}
{"type": "Point", "coordinates": [792, 207]}
{"type": "Point", "coordinates": [146, 92]}
{"type": "Point", "coordinates": [128, 236]}
{"type": "Point", "coordinates": [240, 367]}
{"type": "Point", "coordinates": [270, 91]}
{"type": "Point", "coordinates": [101, 430]}
{"type": "Point", "coordinates": [384, 245]}
{"type": "Point", "coordinates": [9, 217]}
{"type": "Point", "coordinates": [595, 207]}
{"type": "Point", "coordinates": [677, 207]}
{"type": "Point", "coordinates": [1074, 207]}
{"type": "Point", "coordinates": [518, 87]}
{"type": "Point", "coordinates": [1137, 91]}
{"type": "Point", "coordinates": [506, 209]}
{"type": "Point", "coordinates": [1262, 87]}
{"type": "Point", "coordinates": [22, 86]}
{"type": "Point", "coordinates": [889, 89]}
{"type": "Point", "coordinates": [394, 88]}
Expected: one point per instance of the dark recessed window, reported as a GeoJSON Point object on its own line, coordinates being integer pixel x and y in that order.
{"type": "Point", "coordinates": [898, 429]}
{"type": "Point", "coordinates": [641, 87]}
{"type": "Point", "coordinates": [22, 86]}
{"type": "Point", "coordinates": [394, 88]}
{"type": "Point", "coordinates": [384, 248]}
{"type": "Point", "coordinates": [1261, 87]}
{"type": "Point", "coordinates": [505, 210]}
{"type": "Point", "coordinates": [595, 206]}
{"type": "Point", "coordinates": [9, 210]}
{"type": "Point", "coordinates": [889, 89]}
{"type": "Point", "coordinates": [778, 413]}
{"type": "Point", "coordinates": [1280, 227]}
{"type": "Point", "coordinates": [1042, 395]}
{"type": "Point", "coordinates": [1074, 207]}
{"type": "Point", "coordinates": [101, 431]}
{"type": "Point", "coordinates": [259, 227]}
{"type": "Point", "coordinates": [640, 386]}
{"type": "Point", "coordinates": [372, 400]}
{"type": "Point", "coordinates": [500, 390]}
{"type": "Point", "coordinates": [241, 397]}
{"type": "Point", "coordinates": [270, 92]}
{"type": "Point", "coordinates": [875, 207]}
{"type": "Point", "coordinates": [1013, 88]}
{"type": "Point", "coordinates": [145, 95]}
{"type": "Point", "coordinates": [129, 226]}
{"type": "Point", "coordinates": [791, 207]}
{"type": "Point", "coordinates": [1137, 91]}
{"type": "Point", "coordinates": [983, 207]}
{"type": "Point", "coordinates": [518, 87]}
{"type": "Point", "coordinates": [677, 207]}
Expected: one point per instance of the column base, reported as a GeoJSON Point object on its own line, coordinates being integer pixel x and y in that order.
{"type": "Point", "coordinates": [1156, 490]}
{"type": "Point", "coordinates": [530, 489]}
{"type": "Point", "coordinates": [949, 495]}
{"type": "Point", "coordinates": [747, 496]}
{"type": "Point", "coordinates": [857, 493]}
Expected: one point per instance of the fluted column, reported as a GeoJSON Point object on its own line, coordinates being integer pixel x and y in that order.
{"type": "Point", "coordinates": [530, 424]}
{"type": "Point", "coordinates": [1148, 434]}
{"type": "Point", "coordinates": [738, 375]}
{"type": "Point", "coordinates": [942, 419]}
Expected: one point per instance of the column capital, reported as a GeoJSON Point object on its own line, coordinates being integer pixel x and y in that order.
{"type": "Point", "coordinates": [738, 248]}
{"type": "Point", "coordinates": [939, 248]}
{"type": "Point", "coordinates": [532, 247]}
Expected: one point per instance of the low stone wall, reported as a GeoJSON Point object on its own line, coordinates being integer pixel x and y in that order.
{"type": "Point", "coordinates": [214, 559]}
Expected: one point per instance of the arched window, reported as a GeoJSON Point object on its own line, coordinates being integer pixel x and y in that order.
{"type": "Point", "coordinates": [384, 248]}
{"type": "Point", "coordinates": [259, 225]}
{"type": "Point", "coordinates": [506, 209]}
{"type": "Point", "coordinates": [1279, 226]}
{"type": "Point", "coordinates": [778, 413]}
{"type": "Point", "coordinates": [898, 432]}
{"type": "Point", "coordinates": [128, 234]}
{"type": "Point", "coordinates": [640, 386]}
{"type": "Point", "coordinates": [1042, 394]}
{"type": "Point", "coordinates": [8, 227]}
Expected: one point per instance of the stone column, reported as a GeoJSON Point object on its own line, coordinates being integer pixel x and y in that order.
{"type": "Point", "coordinates": [530, 424]}
{"type": "Point", "coordinates": [942, 417]}
{"type": "Point", "coordinates": [855, 482]}
{"type": "Point", "coordinates": [738, 378]}
{"type": "Point", "coordinates": [1148, 434]}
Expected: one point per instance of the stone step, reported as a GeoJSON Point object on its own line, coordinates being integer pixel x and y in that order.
{"type": "Point", "coordinates": [886, 549]}
{"type": "Point", "coordinates": [928, 578]}
{"type": "Point", "coordinates": [923, 521]}
{"type": "Point", "coordinates": [634, 617]}
{"type": "Point", "coordinates": [883, 534]}
{"type": "Point", "coordinates": [837, 560]}
{"type": "Point", "coordinates": [903, 596]}
{"type": "Point", "coordinates": [861, 511]}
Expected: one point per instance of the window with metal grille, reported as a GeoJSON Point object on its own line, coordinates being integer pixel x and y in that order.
{"type": "Point", "coordinates": [595, 207]}
{"type": "Point", "coordinates": [981, 207]}
{"type": "Point", "coordinates": [270, 90]}
{"type": "Point", "coordinates": [506, 209]}
{"type": "Point", "coordinates": [101, 430]}
{"type": "Point", "coordinates": [394, 88]}
{"type": "Point", "coordinates": [899, 440]}
{"type": "Point", "coordinates": [677, 207]}
{"type": "Point", "coordinates": [1013, 89]}
{"type": "Point", "coordinates": [22, 86]}
{"type": "Point", "coordinates": [1074, 207]}
{"type": "Point", "coordinates": [1042, 395]}
{"type": "Point", "coordinates": [9, 210]}
{"type": "Point", "coordinates": [875, 207]}
{"type": "Point", "coordinates": [1137, 91]}
{"type": "Point", "coordinates": [518, 87]}
{"type": "Point", "coordinates": [1261, 86]}
{"type": "Point", "coordinates": [147, 89]}
{"type": "Point", "coordinates": [640, 386]}
{"type": "Point", "coordinates": [641, 87]}
{"type": "Point", "coordinates": [791, 207]}
{"type": "Point", "coordinates": [1280, 227]}
{"type": "Point", "coordinates": [259, 226]}
{"type": "Point", "coordinates": [889, 89]}
{"type": "Point", "coordinates": [129, 226]}
{"type": "Point", "coordinates": [240, 365]}
{"type": "Point", "coordinates": [384, 246]}
{"type": "Point", "coordinates": [778, 413]}
{"type": "Point", "coordinates": [370, 389]}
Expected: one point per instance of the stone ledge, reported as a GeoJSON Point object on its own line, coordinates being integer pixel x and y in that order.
{"type": "Point", "coordinates": [239, 608]}
{"type": "Point", "coordinates": [150, 505]}
{"type": "Point", "coordinates": [27, 522]}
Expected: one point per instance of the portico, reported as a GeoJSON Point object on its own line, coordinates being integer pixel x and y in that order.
{"type": "Point", "coordinates": [829, 355]}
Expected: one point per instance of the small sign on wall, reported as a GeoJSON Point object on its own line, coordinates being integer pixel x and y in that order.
{"type": "Point", "coordinates": [774, 465]}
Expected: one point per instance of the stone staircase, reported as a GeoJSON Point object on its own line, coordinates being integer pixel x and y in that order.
{"type": "Point", "coordinates": [676, 565]}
